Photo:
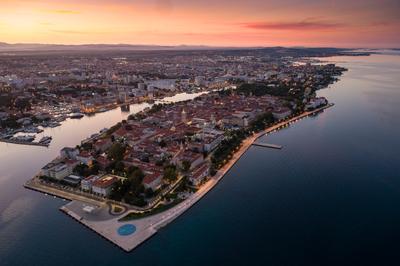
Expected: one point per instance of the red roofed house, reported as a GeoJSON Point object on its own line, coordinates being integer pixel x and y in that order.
{"type": "Point", "coordinates": [85, 158]}
{"type": "Point", "coordinates": [153, 181]}
{"type": "Point", "coordinates": [103, 162]}
{"type": "Point", "coordinates": [193, 158]}
{"type": "Point", "coordinates": [199, 174]}
{"type": "Point", "coordinates": [71, 163]}
{"type": "Point", "coordinates": [104, 184]}
{"type": "Point", "coordinates": [102, 145]}
{"type": "Point", "coordinates": [86, 184]}
{"type": "Point", "coordinates": [121, 133]}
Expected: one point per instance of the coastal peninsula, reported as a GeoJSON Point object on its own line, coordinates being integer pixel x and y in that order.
{"type": "Point", "coordinates": [131, 179]}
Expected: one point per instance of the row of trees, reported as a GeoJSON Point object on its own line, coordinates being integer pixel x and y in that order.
{"type": "Point", "coordinates": [116, 152]}
{"type": "Point", "coordinates": [170, 173]}
{"type": "Point", "coordinates": [234, 139]}
{"type": "Point", "coordinates": [261, 89]}
{"type": "Point", "coordinates": [261, 122]}
{"type": "Point", "coordinates": [289, 91]}
{"type": "Point", "coordinates": [226, 148]}
{"type": "Point", "coordinates": [84, 170]}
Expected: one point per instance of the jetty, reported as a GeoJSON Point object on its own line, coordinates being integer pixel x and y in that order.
{"type": "Point", "coordinates": [20, 142]}
{"type": "Point", "coordinates": [267, 145]}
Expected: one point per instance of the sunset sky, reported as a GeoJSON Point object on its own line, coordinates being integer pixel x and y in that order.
{"type": "Point", "coordinates": [341, 23]}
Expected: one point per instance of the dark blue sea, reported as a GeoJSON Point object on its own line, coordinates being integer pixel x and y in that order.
{"type": "Point", "coordinates": [331, 196]}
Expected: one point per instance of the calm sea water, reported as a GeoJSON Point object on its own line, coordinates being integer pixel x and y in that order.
{"type": "Point", "coordinates": [331, 196]}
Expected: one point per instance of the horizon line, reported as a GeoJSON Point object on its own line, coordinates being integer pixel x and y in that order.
{"type": "Point", "coordinates": [193, 45]}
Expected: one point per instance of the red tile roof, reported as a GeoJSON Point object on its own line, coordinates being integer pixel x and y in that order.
{"type": "Point", "coordinates": [105, 181]}
{"type": "Point", "coordinates": [151, 177]}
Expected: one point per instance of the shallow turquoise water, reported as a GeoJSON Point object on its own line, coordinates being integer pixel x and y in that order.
{"type": "Point", "coordinates": [331, 196]}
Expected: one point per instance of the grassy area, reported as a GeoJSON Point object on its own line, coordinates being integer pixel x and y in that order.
{"type": "Point", "coordinates": [116, 209]}
{"type": "Point", "coordinates": [159, 209]}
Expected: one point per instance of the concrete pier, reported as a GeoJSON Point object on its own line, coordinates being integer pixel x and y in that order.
{"type": "Point", "coordinates": [23, 142]}
{"type": "Point", "coordinates": [267, 145]}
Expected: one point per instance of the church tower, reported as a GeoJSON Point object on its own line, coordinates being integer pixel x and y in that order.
{"type": "Point", "coordinates": [184, 116]}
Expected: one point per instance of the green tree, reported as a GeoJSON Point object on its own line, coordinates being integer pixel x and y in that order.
{"type": "Point", "coordinates": [149, 193]}
{"type": "Point", "coordinates": [170, 173]}
{"type": "Point", "coordinates": [87, 146]}
{"type": "Point", "coordinates": [116, 152]}
{"type": "Point", "coordinates": [131, 169]}
{"type": "Point", "coordinates": [119, 190]}
{"type": "Point", "coordinates": [186, 165]}
{"type": "Point", "coordinates": [119, 167]}
{"type": "Point", "coordinates": [136, 177]}
{"type": "Point", "coordinates": [94, 169]}
{"type": "Point", "coordinates": [82, 170]}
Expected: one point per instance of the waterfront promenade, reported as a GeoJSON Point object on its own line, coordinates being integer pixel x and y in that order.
{"type": "Point", "coordinates": [108, 226]}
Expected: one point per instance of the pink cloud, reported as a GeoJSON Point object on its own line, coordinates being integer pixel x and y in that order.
{"type": "Point", "coordinates": [306, 24]}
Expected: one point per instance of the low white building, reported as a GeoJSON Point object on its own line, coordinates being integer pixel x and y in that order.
{"type": "Point", "coordinates": [68, 152]}
{"type": "Point", "coordinates": [85, 158]}
{"type": "Point", "coordinates": [56, 170]}
{"type": "Point", "coordinates": [104, 185]}
{"type": "Point", "coordinates": [211, 138]}
{"type": "Point", "coordinates": [316, 102]}
{"type": "Point", "coordinates": [199, 174]}
{"type": "Point", "coordinates": [194, 159]}
{"type": "Point", "coordinates": [72, 180]}
{"type": "Point", "coordinates": [281, 113]}
{"type": "Point", "coordinates": [87, 183]}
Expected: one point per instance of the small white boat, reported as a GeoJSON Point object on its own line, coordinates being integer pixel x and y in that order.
{"type": "Point", "coordinates": [76, 115]}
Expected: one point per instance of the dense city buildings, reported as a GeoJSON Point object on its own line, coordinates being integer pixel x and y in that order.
{"type": "Point", "coordinates": [167, 142]}
{"type": "Point", "coordinates": [147, 156]}
{"type": "Point", "coordinates": [39, 91]}
{"type": "Point", "coordinates": [170, 153]}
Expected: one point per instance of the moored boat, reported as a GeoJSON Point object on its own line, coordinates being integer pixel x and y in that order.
{"type": "Point", "coordinates": [45, 140]}
{"type": "Point", "coordinates": [76, 115]}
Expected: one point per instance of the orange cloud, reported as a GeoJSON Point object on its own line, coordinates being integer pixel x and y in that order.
{"type": "Point", "coordinates": [306, 24]}
{"type": "Point", "coordinates": [222, 22]}
{"type": "Point", "coordinates": [64, 11]}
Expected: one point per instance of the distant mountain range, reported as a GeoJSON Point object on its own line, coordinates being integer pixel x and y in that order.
{"type": "Point", "coordinates": [6, 47]}
{"type": "Point", "coordinates": [31, 47]}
